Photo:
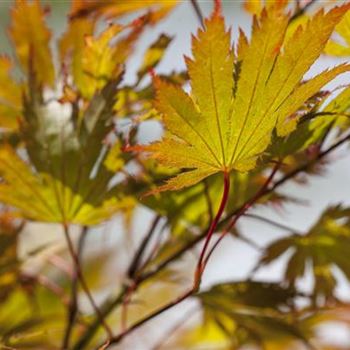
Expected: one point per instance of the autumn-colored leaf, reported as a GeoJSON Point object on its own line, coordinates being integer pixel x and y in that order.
{"type": "Point", "coordinates": [63, 157]}
{"type": "Point", "coordinates": [31, 39]}
{"type": "Point", "coordinates": [255, 6]}
{"type": "Point", "coordinates": [112, 9]}
{"type": "Point", "coordinates": [340, 44]}
{"type": "Point", "coordinates": [10, 96]}
{"type": "Point", "coordinates": [71, 48]}
{"type": "Point", "coordinates": [216, 130]}
{"type": "Point", "coordinates": [154, 54]}
{"type": "Point", "coordinates": [98, 62]}
{"type": "Point", "coordinates": [95, 60]}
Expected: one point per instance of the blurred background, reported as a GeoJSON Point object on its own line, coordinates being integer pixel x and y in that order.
{"type": "Point", "coordinates": [233, 260]}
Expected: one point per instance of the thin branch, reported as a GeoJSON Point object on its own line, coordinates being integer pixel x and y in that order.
{"type": "Point", "coordinates": [154, 314]}
{"type": "Point", "coordinates": [307, 165]}
{"type": "Point", "coordinates": [247, 241]}
{"type": "Point", "coordinates": [134, 265]}
{"type": "Point", "coordinates": [186, 317]}
{"type": "Point", "coordinates": [272, 223]}
{"type": "Point", "coordinates": [83, 282]}
{"type": "Point", "coordinates": [302, 10]}
{"type": "Point", "coordinates": [198, 12]}
{"type": "Point", "coordinates": [105, 310]}
{"type": "Point", "coordinates": [73, 303]}
{"type": "Point", "coordinates": [154, 249]}
{"type": "Point", "coordinates": [54, 288]}
{"type": "Point", "coordinates": [109, 305]}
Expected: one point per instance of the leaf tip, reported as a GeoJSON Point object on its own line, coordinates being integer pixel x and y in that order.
{"type": "Point", "coordinates": [217, 8]}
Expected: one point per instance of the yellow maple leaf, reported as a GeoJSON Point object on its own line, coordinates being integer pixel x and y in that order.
{"type": "Point", "coordinates": [158, 9]}
{"type": "Point", "coordinates": [44, 198]}
{"type": "Point", "coordinates": [226, 123]}
{"type": "Point", "coordinates": [10, 96]}
{"type": "Point", "coordinates": [71, 47]}
{"type": "Point", "coordinates": [94, 60]}
{"type": "Point", "coordinates": [255, 6]}
{"type": "Point", "coordinates": [31, 39]}
{"type": "Point", "coordinates": [340, 47]}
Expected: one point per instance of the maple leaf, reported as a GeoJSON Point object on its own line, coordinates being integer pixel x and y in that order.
{"type": "Point", "coordinates": [226, 123]}
{"type": "Point", "coordinates": [10, 96]}
{"type": "Point", "coordinates": [94, 60]}
{"type": "Point", "coordinates": [158, 9]}
{"type": "Point", "coordinates": [99, 62]}
{"type": "Point", "coordinates": [31, 39]}
{"type": "Point", "coordinates": [70, 167]}
{"type": "Point", "coordinates": [256, 6]}
{"type": "Point", "coordinates": [324, 245]}
{"type": "Point", "coordinates": [71, 47]}
{"type": "Point", "coordinates": [154, 54]}
{"type": "Point", "coordinates": [240, 313]}
{"type": "Point", "coordinates": [340, 44]}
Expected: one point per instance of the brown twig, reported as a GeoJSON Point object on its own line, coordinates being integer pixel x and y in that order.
{"type": "Point", "coordinates": [73, 303]}
{"type": "Point", "coordinates": [83, 282]}
{"type": "Point", "coordinates": [134, 265]}
{"type": "Point", "coordinates": [187, 316]}
{"type": "Point", "coordinates": [198, 12]}
{"type": "Point", "coordinates": [272, 223]}
{"type": "Point", "coordinates": [118, 338]}
{"type": "Point", "coordinates": [301, 10]}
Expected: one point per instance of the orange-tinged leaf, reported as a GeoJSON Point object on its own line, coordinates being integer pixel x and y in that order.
{"type": "Point", "coordinates": [31, 39]}
{"type": "Point", "coordinates": [227, 122]}
{"type": "Point", "coordinates": [340, 47]}
{"type": "Point", "coordinates": [71, 47]}
{"type": "Point", "coordinates": [255, 6]}
{"type": "Point", "coordinates": [153, 55]}
{"type": "Point", "coordinates": [158, 9]}
{"type": "Point", "coordinates": [102, 57]}
{"type": "Point", "coordinates": [98, 60]}
{"type": "Point", "coordinates": [10, 96]}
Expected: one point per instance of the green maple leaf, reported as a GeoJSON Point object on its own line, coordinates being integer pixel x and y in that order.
{"type": "Point", "coordinates": [324, 246]}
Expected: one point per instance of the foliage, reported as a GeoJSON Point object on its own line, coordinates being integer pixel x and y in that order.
{"type": "Point", "coordinates": [244, 118]}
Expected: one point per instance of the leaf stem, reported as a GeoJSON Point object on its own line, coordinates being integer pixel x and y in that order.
{"type": "Point", "coordinates": [213, 225]}
{"type": "Point", "coordinates": [242, 210]}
